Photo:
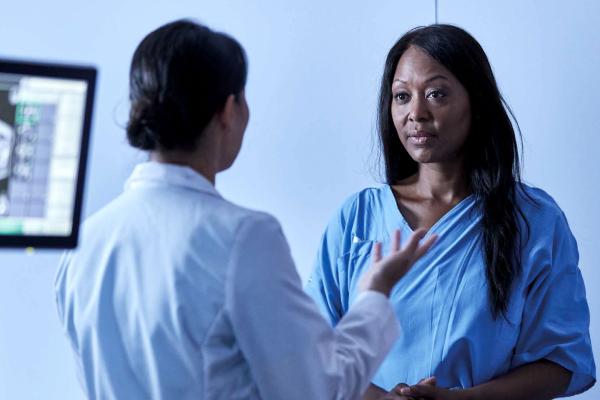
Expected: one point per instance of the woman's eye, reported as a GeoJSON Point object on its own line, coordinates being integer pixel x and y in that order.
{"type": "Point", "coordinates": [401, 97]}
{"type": "Point", "coordinates": [436, 94]}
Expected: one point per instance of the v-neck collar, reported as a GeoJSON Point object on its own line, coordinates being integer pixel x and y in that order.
{"type": "Point", "coordinates": [394, 213]}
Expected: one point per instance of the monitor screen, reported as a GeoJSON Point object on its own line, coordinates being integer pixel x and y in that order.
{"type": "Point", "coordinates": [45, 117]}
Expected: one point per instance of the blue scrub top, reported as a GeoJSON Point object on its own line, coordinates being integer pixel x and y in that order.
{"type": "Point", "coordinates": [442, 303]}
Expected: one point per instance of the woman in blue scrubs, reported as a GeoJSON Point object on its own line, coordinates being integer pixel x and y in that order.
{"type": "Point", "coordinates": [497, 310]}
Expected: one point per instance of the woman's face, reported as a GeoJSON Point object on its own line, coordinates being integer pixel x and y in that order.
{"type": "Point", "coordinates": [430, 109]}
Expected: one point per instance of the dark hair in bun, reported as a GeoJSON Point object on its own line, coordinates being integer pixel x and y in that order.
{"type": "Point", "coordinates": [181, 75]}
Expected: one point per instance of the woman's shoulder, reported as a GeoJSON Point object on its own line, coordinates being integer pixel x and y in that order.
{"type": "Point", "coordinates": [549, 246]}
{"type": "Point", "coordinates": [367, 198]}
{"type": "Point", "coordinates": [537, 204]}
{"type": "Point", "coordinates": [361, 214]}
{"type": "Point", "coordinates": [546, 221]}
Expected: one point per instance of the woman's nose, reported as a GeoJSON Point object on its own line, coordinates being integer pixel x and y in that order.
{"type": "Point", "coordinates": [418, 110]}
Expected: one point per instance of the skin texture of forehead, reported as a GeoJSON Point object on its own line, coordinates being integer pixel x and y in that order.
{"type": "Point", "coordinates": [416, 66]}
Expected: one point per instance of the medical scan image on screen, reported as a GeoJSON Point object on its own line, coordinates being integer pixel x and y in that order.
{"type": "Point", "coordinates": [40, 135]}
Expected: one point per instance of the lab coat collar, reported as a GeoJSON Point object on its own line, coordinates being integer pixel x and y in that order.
{"type": "Point", "coordinates": [155, 173]}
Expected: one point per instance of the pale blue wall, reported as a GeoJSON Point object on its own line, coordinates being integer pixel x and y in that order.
{"type": "Point", "coordinates": [314, 70]}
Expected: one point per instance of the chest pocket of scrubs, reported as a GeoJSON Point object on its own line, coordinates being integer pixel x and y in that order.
{"type": "Point", "coordinates": [353, 264]}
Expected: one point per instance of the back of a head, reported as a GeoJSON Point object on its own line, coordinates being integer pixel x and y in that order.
{"type": "Point", "coordinates": [180, 76]}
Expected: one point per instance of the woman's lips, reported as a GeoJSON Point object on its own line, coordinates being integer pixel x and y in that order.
{"type": "Point", "coordinates": [421, 138]}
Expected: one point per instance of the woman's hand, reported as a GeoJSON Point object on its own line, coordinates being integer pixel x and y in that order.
{"type": "Point", "coordinates": [396, 392]}
{"type": "Point", "coordinates": [430, 392]}
{"type": "Point", "coordinates": [540, 380]}
{"type": "Point", "coordinates": [386, 272]}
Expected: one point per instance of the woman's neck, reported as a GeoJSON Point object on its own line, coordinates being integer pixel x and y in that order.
{"type": "Point", "coordinates": [445, 182]}
{"type": "Point", "coordinates": [193, 160]}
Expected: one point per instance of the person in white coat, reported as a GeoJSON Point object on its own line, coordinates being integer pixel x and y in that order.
{"type": "Point", "coordinates": [177, 293]}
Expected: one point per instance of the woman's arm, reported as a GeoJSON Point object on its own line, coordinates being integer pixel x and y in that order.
{"type": "Point", "coordinates": [540, 380]}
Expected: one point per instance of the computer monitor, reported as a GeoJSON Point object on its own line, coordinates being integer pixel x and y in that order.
{"type": "Point", "coordinates": [45, 118]}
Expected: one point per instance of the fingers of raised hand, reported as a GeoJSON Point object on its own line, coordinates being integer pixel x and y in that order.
{"type": "Point", "coordinates": [424, 247]}
{"type": "Point", "coordinates": [376, 251]}
{"type": "Point", "coordinates": [396, 241]}
{"type": "Point", "coordinates": [414, 249]}
{"type": "Point", "coordinates": [413, 242]}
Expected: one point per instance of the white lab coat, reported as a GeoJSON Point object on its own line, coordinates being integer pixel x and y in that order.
{"type": "Point", "coordinates": [176, 293]}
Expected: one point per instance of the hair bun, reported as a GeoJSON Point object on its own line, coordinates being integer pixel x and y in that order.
{"type": "Point", "coordinates": [140, 129]}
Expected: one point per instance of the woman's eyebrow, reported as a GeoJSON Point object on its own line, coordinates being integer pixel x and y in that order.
{"type": "Point", "coordinates": [426, 81]}
{"type": "Point", "coordinates": [436, 77]}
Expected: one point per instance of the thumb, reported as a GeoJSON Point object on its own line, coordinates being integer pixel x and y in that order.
{"type": "Point", "coordinates": [421, 390]}
{"type": "Point", "coordinates": [431, 381]}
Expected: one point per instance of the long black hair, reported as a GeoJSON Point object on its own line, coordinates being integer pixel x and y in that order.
{"type": "Point", "coordinates": [181, 75]}
{"type": "Point", "coordinates": [491, 153]}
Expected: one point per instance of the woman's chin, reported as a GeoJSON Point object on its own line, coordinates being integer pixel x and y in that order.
{"type": "Point", "coordinates": [423, 157]}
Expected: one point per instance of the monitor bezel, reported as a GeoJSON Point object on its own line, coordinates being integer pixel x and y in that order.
{"type": "Point", "coordinates": [64, 71]}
